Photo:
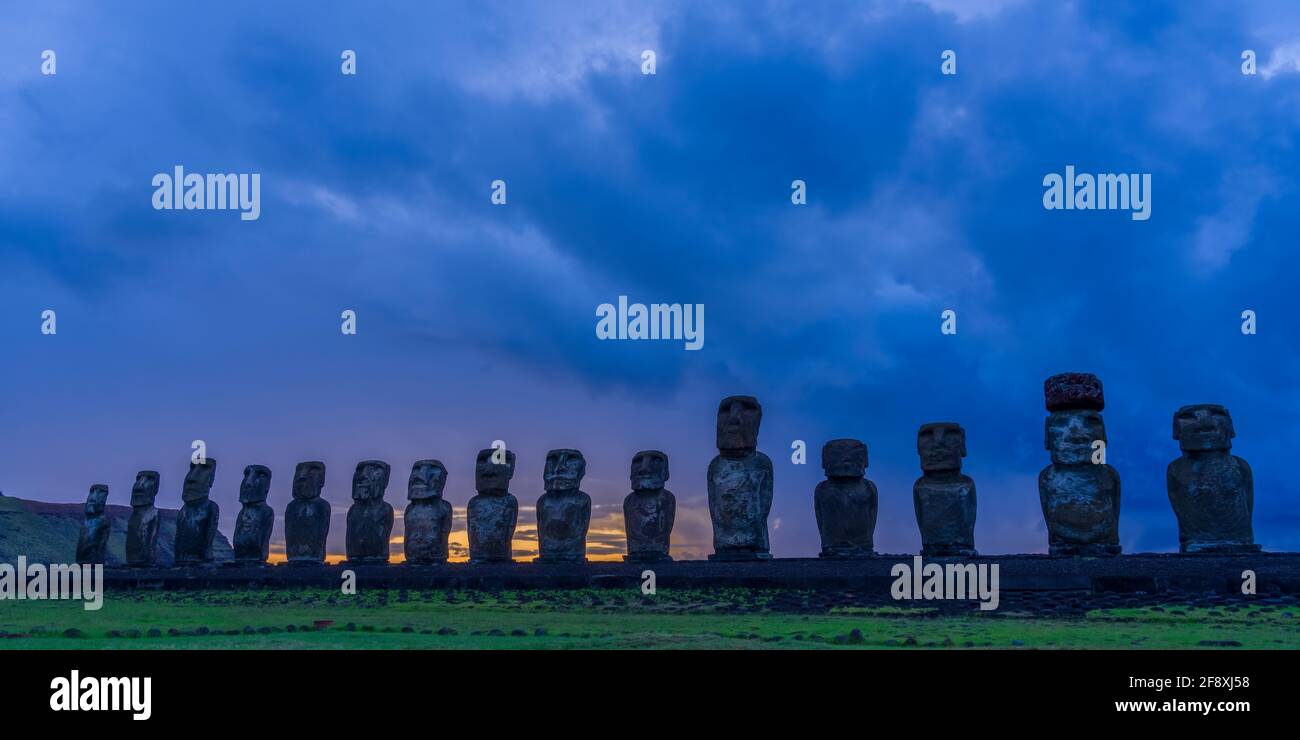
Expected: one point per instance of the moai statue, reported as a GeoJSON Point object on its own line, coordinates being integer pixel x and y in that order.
{"type": "Point", "coordinates": [252, 541]}
{"type": "Point", "coordinates": [944, 498]}
{"type": "Point", "coordinates": [740, 483]}
{"type": "Point", "coordinates": [564, 511]}
{"type": "Point", "coordinates": [1079, 491]}
{"type": "Point", "coordinates": [196, 522]}
{"type": "Point", "coordinates": [845, 502]}
{"type": "Point", "coordinates": [142, 527]}
{"type": "Point", "coordinates": [370, 518]}
{"type": "Point", "coordinates": [307, 517]}
{"type": "Point", "coordinates": [1212, 491]}
{"type": "Point", "coordinates": [427, 520]}
{"type": "Point", "coordinates": [493, 513]}
{"type": "Point", "coordinates": [92, 545]}
{"type": "Point", "coordinates": [649, 510]}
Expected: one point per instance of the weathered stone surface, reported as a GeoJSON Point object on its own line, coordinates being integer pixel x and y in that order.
{"type": "Point", "coordinates": [370, 518]}
{"type": "Point", "coordinates": [1080, 498]}
{"type": "Point", "coordinates": [845, 503]}
{"type": "Point", "coordinates": [196, 524]}
{"type": "Point", "coordinates": [564, 511]}
{"type": "Point", "coordinates": [1067, 391]}
{"type": "Point", "coordinates": [252, 540]}
{"type": "Point", "coordinates": [1212, 490]}
{"type": "Point", "coordinates": [142, 527]}
{"type": "Point", "coordinates": [649, 510]}
{"type": "Point", "coordinates": [307, 517]}
{"type": "Point", "coordinates": [427, 520]}
{"type": "Point", "coordinates": [944, 498]}
{"type": "Point", "coordinates": [92, 545]}
{"type": "Point", "coordinates": [739, 483]}
{"type": "Point", "coordinates": [493, 513]}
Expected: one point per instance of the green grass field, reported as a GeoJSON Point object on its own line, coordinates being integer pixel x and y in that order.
{"type": "Point", "coordinates": [599, 619]}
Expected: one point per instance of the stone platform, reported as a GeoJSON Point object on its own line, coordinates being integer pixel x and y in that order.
{"type": "Point", "coordinates": [1141, 573]}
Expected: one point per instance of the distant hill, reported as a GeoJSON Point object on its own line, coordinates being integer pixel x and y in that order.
{"type": "Point", "coordinates": [48, 533]}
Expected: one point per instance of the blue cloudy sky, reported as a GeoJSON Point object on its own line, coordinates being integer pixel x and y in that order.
{"type": "Point", "coordinates": [476, 322]}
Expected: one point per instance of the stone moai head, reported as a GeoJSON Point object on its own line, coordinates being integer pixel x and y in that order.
{"type": "Point", "coordinates": [96, 500]}
{"type": "Point", "coordinates": [649, 470]}
{"type": "Point", "coordinates": [738, 420]}
{"type": "Point", "coordinates": [308, 480]}
{"type": "Point", "coordinates": [1203, 426]}
{"type": "Point", "coordinates": [427, 480]}
{"type": "Point", "coordinates": [491, 476]}
{"type": "Point", "coordinates": [145, 489]}
{"type": "Point", "coordinates": [1074, 402]}
{"type": "Point", "coordinates": [564, 470]}
{"type": "Point", "coordinates": [370, 480]}
{"type": "Point", "coordinates": [256, 484]}
{"type": "Point", "coordinates": [941, 446]}
{"type": "Point", "coordinates": [198, 482]}
{"type": "Point", "coordinates": [844, 458]}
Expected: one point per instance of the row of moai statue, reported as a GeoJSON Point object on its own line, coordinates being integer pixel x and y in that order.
{"type": "Point", "coordinates": [563, 514]}
{"type": "Point", "coordinates": [1211, 491]}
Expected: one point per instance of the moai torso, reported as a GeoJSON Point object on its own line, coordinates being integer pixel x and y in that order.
{"type": "Point", "coordinates": [427, 520]}
{"type": "Point", "coordinates": [252, 540]}
{"type": "Point", "coordinates": [1080, 498]}
{"type": "Point", "coordinates": [1211, 490]}
{"type": "Point", "coordinates": [370, 518]}
{"type": "Point", "coordinates": [740, 484]}
{"type": "Point", "coordinates": [943, 497]}
{"type": "Point", "coordinates": [307, 517]}
{"type": "Point", "coordinates": [92, 544]}
{"type": "Point", "coordinates": [845, 503]}
{"type": "Point", "coordinates": [196, 522]}
{"type": "Point", "coordinates": [564, 511]}
{"type": "Point", "coordinates": [493, 512]}
{"type": "Point", "coordinates": [649, 510]}
{"type": "Point", "coordinates": [142, 527]}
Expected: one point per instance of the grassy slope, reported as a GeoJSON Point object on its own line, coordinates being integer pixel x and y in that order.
{"type": "Point", "coordinates": [48, 533]}
{"type": "Point", "coordinates": [42, 539]}
{"type": "Point", "coordinates": [591, 620]}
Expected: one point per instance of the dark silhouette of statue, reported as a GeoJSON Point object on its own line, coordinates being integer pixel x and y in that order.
{"type": "Point", "coordinates": [740, 483]}
{"type": "Point", "coordinates": [370, 518]}
{"type": "Point", "coordinates": [307, 517]}
{"type": "Point", "coordinates": [92, 544]}
{"type": "Point", "coordinates": [649, 510]}
{"type": "Point", "coordinates": [1079, 491]}
{"type": "Point", "coordinates": [845, 502]}
{"type": "Point", "coordinates": [564, 511]}
{"type": "Point", "coordinates": [196, 522]}
{"type": "Point", "coordinates": [252, 541]}
{"type": "Point", "coordinates": [493, 513]}
{"type": "Point", "coordinates": [427, 520]}
{"type": "Point", "coordinates": [944, 498]}
{"type": "Point", "coordinates": [142, 527]}
{"type": "Point", "coordinates": [1212, 490]}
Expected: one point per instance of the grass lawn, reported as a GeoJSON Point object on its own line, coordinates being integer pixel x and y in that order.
{"type": "Point", "coordinates": [599, 619]}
